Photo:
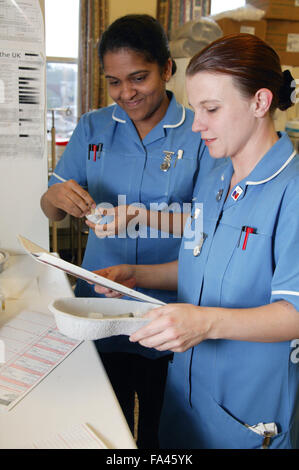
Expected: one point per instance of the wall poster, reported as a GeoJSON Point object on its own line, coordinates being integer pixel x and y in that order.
{"type": "Point", "coordinates": [22, 79]}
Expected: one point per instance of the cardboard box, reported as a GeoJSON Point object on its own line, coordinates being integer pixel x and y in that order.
{"type": "Point", "coordinates": [278, 9]}
{"type": "Point", "coordinates": [283, 36]}
{"type": "Point", "coordinates": [229, 26]}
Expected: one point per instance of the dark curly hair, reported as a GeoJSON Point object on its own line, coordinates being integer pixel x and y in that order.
{"type": "Point", "coordinates": [140, 33]}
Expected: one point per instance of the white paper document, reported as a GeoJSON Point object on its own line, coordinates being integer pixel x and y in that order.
{"type": "Point", "coordinates": [33, 348]}
{"type": "Point", "coordinates": [22, 79]}
{"type": "Point", "coordinates": [79, 436]}
{"type": "Point", "coordinates": [21, 21]}
{"type": "Point", "coordinates": [43, 256]}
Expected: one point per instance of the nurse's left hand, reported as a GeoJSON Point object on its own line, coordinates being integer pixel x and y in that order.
{"type": "Point", "coordinates": [175, 327]}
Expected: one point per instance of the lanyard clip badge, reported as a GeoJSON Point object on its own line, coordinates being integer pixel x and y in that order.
{"type": "Point", "coordinates": [165, 165]}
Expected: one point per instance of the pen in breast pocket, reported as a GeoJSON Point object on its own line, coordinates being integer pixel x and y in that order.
{"type": "Point", "coordinates": [95, 150]}
{"type": "Point", "coordinates": [247, 231]}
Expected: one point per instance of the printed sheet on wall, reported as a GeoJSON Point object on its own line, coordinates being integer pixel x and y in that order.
{"type": "Point", "coordinates": [22, 79]}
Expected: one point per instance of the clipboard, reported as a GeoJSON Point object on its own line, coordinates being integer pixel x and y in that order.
{"type": "Point", "coordinates": [43, 256]}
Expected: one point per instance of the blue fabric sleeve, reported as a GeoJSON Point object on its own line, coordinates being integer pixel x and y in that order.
{"type": "Point", "coordinates": [285, 282]}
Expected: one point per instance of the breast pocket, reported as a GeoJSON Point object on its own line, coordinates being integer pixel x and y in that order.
{"type": "Point", "coordinates": [168, 181]}
{"type": "Point", "coordinates": [112, 176]}
{"type": "Point", "coordinates": [248, 271]}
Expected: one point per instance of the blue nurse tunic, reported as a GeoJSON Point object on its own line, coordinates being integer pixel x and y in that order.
{"type": "Point", "coordinates": [249, 258]}
{"type": "Point", "coordinates": [126, 170]}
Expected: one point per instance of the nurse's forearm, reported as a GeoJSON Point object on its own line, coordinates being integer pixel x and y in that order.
{"type": "Point", "coordinates": [274, 322]}
{"type": "Point", "coordinates": [158, 276]}
{"type": "Point", "coordinates": [169, 222]}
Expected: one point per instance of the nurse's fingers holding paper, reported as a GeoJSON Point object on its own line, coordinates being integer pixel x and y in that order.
{"type": "Point", "coordinates": [122, 274]}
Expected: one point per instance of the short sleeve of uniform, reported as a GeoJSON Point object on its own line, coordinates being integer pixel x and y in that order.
{"type": "Point", "coordinates": [72, 164]}
{"type": "Point", "coordinates": [285, 282]}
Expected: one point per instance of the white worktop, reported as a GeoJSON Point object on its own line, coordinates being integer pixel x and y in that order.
{"type": "Point", "coordinates": [76, 391]}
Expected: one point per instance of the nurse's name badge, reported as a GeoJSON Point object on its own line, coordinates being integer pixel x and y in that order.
{"type": "Point", "coordinates": [165, 165]}
{"type": "Point", "coordinates": [197, 249]}
{"type": "Point", "coordinates": [236, 193]}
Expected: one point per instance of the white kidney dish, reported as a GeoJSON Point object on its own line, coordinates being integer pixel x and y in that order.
{"type": "Point", "coordinates": [95, 318]}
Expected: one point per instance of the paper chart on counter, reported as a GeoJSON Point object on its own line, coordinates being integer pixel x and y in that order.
{"type": "Point", "coordinates": [33, 348]}
{"type": "Point", "coordinates": [79, 436]}
{"type": "Point", "coordinates": [43, 256]}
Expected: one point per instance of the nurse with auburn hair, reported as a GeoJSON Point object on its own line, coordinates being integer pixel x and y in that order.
{"type": "Point", "coordinates": [234, 379]}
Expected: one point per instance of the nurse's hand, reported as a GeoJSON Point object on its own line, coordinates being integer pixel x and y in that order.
{"type": "Point", "coordinates": [113, 220]}
{"type": "Point", "coordinates": [71, 198]}
{"type": "Point", "coordinates": [123, 274]}
{"type": "Point", "coordinates": [175, 327]}
{"type": "Point", "coordinates": [119, 219]}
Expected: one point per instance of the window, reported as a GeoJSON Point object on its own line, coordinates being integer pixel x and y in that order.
{"type": "Point", "coordinates": [217, 6]}
{"type": "Point", "coordinates": [62, 30]}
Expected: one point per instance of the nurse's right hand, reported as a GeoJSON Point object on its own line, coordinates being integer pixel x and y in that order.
{"type": "Point", "coordinates": [118, 220]}
{"type": "Point", "coordinates": [71, 198]}
{"type": "Point", "coordinates": [123, 274]}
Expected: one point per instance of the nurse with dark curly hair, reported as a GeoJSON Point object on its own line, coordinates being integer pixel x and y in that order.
{"type": "Point", "coordinates": [141, 150]}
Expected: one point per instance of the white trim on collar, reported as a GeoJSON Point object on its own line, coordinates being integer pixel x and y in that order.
{"type": "Point", "coordinates": [180, 122]}
{"type": "Point", "coordinates": [165, 126]}
{"type": "Point", "coordinates": [275, 174]}
{"type": "Point", "coordinates": [117, 119]}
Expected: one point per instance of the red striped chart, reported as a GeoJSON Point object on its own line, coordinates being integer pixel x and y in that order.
{"type": "Point", "coordinates": [33, 348]}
